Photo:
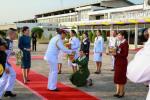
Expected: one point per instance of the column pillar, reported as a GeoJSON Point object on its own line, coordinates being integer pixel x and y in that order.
{"type": "Point", "coordinates": [136, 36]}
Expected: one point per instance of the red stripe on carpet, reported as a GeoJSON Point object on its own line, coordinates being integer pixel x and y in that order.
{"type": "Point", "coordinates": [38, 85]}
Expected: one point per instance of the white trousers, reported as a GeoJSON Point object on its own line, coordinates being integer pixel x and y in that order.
{"type": "Point", "coordinates": [11, 79]}
{"type": "Point", "coordinates": [113, 61]}
{"type": "Point", "coordinates": [53, 75]}
{"type": "Point", "coordinates": [3, 82]}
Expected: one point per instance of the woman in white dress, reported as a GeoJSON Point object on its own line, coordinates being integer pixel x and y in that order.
{"type": "Point", "coordinates": [74, 45]}
{"type": "Point", "coordinates": [138, 70]}
{"type": "Point", "coordinates": [98, 50]}
{"type": "Point", "coordinates": [60, 61]}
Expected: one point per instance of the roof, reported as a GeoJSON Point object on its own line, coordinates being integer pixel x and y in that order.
{"type": "Point", "coordinates": [63, 5]}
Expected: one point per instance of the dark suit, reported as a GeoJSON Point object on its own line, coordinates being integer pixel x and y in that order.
{"type": "Point", "coordinates": [85, 46]}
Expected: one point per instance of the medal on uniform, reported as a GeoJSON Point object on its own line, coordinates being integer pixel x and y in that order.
{"type": "Point", "coordinates": [1, 69]}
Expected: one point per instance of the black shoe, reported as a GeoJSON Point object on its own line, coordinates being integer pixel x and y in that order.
{"type": "Point", "coordinates": [9, 94]}
{"type": "Point", "coordinates": [116, 95]}
{"type": "Point", "coordinates": [91, 82]}
{"type": "Point", "coordinates": [121, 96]}
{"type": "Point", "coordinates": [98, 72]}
{"type": "Point", "coordinates": [59, 72]}
{"type": "Point", "coordinates": [56, 90]}
{"type": "Point", "coordinates": [112, 70]}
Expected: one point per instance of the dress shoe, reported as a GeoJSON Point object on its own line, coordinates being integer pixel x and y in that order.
{"type": "Point", "coordinates": [9, 94]}
{"type": "Point", "coordinates": [55, 90]}
{"type": "Point", "coordinates": [98, 72]}
{"type": "Point", "coordinates": [116, 95]}
{"type": "Point", "coordinates": [91, 82]}
{"type": "Point", "coordinates": [121, 96]}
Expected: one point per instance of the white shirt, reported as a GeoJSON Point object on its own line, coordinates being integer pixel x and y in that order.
{"type": "Point", "coordinates": [55, 45]}
{"type": "Point", "coordinates": [98, 45]}
{"type": "Point", "coordinates": [75, 43]}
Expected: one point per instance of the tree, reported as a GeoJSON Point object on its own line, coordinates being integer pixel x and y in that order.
{"type": "Point", "coordinates": [50, 36]}
{"type": "Point", "coordinates": [38, 31]}
{"type": "Point", "coordinates": [90, 35]}
{"type": "Point", "coordinates": [104, 35]}
{"type": "Point", "coordinates": [93, 37]}
{"type": "Point", "coordinates": [2, 33]}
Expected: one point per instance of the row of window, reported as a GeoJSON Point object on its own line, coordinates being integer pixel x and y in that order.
{"type": "Point", "coordinates": [58, 19]}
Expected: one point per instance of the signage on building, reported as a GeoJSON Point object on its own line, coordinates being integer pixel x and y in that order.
{"type": "Point", "coordinates": [131, 14]}
{"type": "Point", "coordinates": [146, 4]}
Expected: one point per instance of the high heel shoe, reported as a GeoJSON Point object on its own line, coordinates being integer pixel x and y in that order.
{"type": "Point", "coordinates": [121, 96]}
{"type": "Point", "coordinates": [91, 82]}
{"type": "Point", "coordinates": [116, 95]}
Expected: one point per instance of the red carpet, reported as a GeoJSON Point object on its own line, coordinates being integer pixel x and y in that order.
{"type": "Point", "coordinates": [38, 85]}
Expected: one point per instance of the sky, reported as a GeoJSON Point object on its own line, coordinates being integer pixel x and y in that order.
{"type": "Point", "coordinates": [15, 10]}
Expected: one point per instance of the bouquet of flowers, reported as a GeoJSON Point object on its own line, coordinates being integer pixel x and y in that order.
{"type": "Point", "coordinates": [68, 45]}
{"type": "Point", "coordinates": [19, 55]}
{"type": "Point", "coordinates": [112, 50]}
{"type": "Point", "coordinates": [71, 57]}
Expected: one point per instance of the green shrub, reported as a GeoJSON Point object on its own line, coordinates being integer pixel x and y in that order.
{"type": "Point", "coordinates": [93, 37]}
{"type": "Point", "coordinates": [50, 36]}
{"type": "Point", "coordinates": [104, 35]}
{"type": "Point", "coordinates": [90, 35]}
{"type": "Point", "coordinates": [39, 31]}
{"type": "Point", "coordinates": [2, 33]}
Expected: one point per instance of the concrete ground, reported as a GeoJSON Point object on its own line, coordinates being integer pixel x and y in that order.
{"type": "Point", "coordinates": [103, 87]}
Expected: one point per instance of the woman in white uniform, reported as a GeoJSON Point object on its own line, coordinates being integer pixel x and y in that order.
{"type": "Point", "coordinates": [60, 61]}
{"type": "Point", "coordinates": [75, 45]}
{"type": "Point", "coordinates": [138, 70]}
{"type": "Point", "coordinates": [51, 56]}
{"type": "Point", "coordinates": [98, 50]}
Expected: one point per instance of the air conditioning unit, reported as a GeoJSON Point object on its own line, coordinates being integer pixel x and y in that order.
{"type": "Point", "coordinates": [146, 4]}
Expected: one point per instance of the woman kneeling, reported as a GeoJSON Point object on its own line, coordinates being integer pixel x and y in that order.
{"type": "Point", "coordinates": [80, 77]}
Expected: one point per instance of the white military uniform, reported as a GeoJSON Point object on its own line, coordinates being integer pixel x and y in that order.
{"type": "Point", "coordinates": [112, 43]}
{"type": "Point", "coordinates": [7, 81]}
{"type": "Point", "coordinates": [75, 45]}
{"type": "Point", "coordinates": [98, 48]}
{"type": "Point", "coordinates": [138, 70]}
{"type": "Point", "coordinates": [60, 57]}
{"type": "Point", "coordinates": [55, 45]}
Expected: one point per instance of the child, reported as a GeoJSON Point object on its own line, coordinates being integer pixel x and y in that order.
{"type": "Point", "coordinates": [3, 58]}
{"type": "Point", "coordinates": [79, 78]}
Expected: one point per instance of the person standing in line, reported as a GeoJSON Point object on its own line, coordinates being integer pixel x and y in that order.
{"type": "Point", "coordinates": [25, 46]}
{"type": "Point", "coordinates": [138, 70]}
{"type": "Point", "coordinates": [4, 71]}
{"type": "Point", "coordinates": [85, 44]}
{"type": "Point", "coordinates": [121, 62]}
{"type": "Point", "coordinates": [98, 51]}
{"type": "Point", "coordinates": [51, 56]}
{"type": "Point", "coordinates": [74, 45]}
{"type": "Point", "coordinates": [11, 33]}
{"type": "Point", "coordinates": [34, 41]}
{"type": "Point", "coordinates": [113, 44]}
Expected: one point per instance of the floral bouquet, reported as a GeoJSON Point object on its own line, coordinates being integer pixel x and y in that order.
{"type": "Point", "coordinates": [68, 45]}
{"type": "Point", "coordinates": [19, 55]}
{"type": "Point", "coordinates": [112, 50]}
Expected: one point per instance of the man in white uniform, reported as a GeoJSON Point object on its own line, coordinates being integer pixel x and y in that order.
{"type": "Point", "coordinates": [51, 56]}
{"type": "Point", "coordinates": [138, 70]}
{"type": "Point", "coordinates": [9, 78]}
{"type": "Point", "coordinates": [113, 43]}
